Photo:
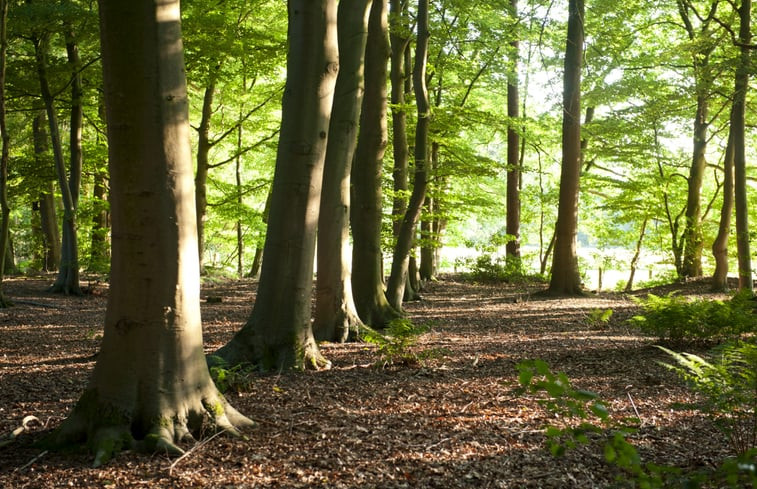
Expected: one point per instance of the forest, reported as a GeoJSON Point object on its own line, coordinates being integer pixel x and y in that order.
{"type": "Point", "coordinates": [377, 243]}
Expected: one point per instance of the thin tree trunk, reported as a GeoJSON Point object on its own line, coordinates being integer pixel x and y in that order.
{"type": "Point", "coordinates": [399, 47]}
{"type": "Point", "coordinates": [636, 255]}
{"type": "Point", "coordinates": [238, 181]}
{"type": "Point", "coordinates": [720, 245]}
{"type": "Point", "coordinates": [48, 220]}
{"type": "Point", "coordinates": [512, 226]}
{"type": "Point", "coordinates": [278, 334]}
{"type": "Point", "coordinates": [565, 274]}
{"type": "Point", "coordinates": [257, 260]}
{"type": "Point", "coordinates": [203, 165]}
{"type": "Point", "coordinates": [738, 127]}
{"type": "Point", "coordinates": [395, 288]}
{"type": "Point", "coordinates": [366, 209]}
{"type": "Point", "coordinates": [4, 153]}
{"type": "Point", "coordinates": [336, 318]}
{"type": "Point", "coordinates": [67, 280]}
{"type": "Point", "coordinates": [692, 234]}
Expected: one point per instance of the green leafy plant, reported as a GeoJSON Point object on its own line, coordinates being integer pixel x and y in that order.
{"type": "Point", "coordinates": [395, 346]}
{"type": "Point", "coordinates": [599, 318]}
{"type": "Point", "coordinates": [237, 378]}
{"type": "Point", "coordinates": [675, 318]}
{"type": "Point", "coordinates": [585, 418]}
{"type": "Point", "coordinates": [728, 384]}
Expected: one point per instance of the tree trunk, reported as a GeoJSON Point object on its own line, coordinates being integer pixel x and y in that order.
{"type": "Point", "coordinates": [67, 280]}
{"type": "Point", "coordinates": [397, 279]}
{"type": "Point", "coordinates": [257, 260]}
{"type": "Point", "coordinates": [565, 275]}
{"type": "Point", "coordinates": [512, 226]}
{"type": "Point", "coordinates": [238, 182]}
{"type": "Point", "coordinates": [336, 318]}
{"type": "Point", "coordinates": [692, 234]}
{"type": "Point", "coordinates": [720, 245]}
{"type": "Point", "coordinates": [100, 250]}
{"type": "Point", "coordinates": [48, 220]}
{"type": "Point", "coordinates": [150, 388]}
{"type": "Point", "coordinates": [4, 153]}
{"type": "Point", "coordinates": [203, 165]}
{"type": "Point", "coordinates": [738, 127]}
{"type": "Point", "coordinates": [278, 334]}
{"type": "Point", "coordinates": [636, 255]}
{"type": "Point", "coordinates": [399, 47]}
{"type": "Point", "coordinates": [366, 209]}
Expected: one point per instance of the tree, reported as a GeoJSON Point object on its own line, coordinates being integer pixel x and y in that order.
{"type": "Point", "coordinates": [395, 287]}
{"type": "Point", "coordinates": [565, 276]}
{"type": "Point", "coordinates": [151, 388]}
{"type": "Point", "coordinates": [513, 152]}
{"type": "Point", "coordinates": [336, 318]}
{"type": "Point", "coordinates": [739, 146]}
{"type": "Point", "coordinates": [366, 194]}
{"type": "Point", "coordinates": [720, 244]}
{"type": "Point", "coordinates": [4, 151]}
{"type": "Point", "coordinates": [278, 333]}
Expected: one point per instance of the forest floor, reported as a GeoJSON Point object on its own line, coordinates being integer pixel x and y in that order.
{"type": "Point", "coordinates": [453, 419]}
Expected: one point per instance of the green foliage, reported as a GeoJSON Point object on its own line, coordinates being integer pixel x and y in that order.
{"type": "Point", "coordinates": [237, 378]}
{"type": "Point", "coordinates": [676, 318]}
{"type": "Point", "coordinates": [599, 318]}
{"type": "Point", "coordinates": [395, 347]}
{"type": "Point", "coordinates": [585, 418]}
{"type": "Point", "coordinates": [728, 384]}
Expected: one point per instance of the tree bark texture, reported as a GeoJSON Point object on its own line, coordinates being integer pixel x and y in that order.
{"type": "Point", "coordinates": [366, 210]}
{"type": "Point", "coordinates": [278, 334]}
{"type": "Point", "coordinates": [395, 287]}
{"type": "Point", "coordinates": [692, 233]}
{"type": "Point", "coordinates": [150, 388]}
{"type": "Point", "coordinates": [399, 42]}
{"type": "Point", "coordinates": [4, 153]}
{"type": "Point", "coordinates": [336, 318]}
{"type": "Point", "coordinates": [565, 275]}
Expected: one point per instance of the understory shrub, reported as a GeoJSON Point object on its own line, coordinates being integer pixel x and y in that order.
{"type": "Point", "coordinates": [675, 318]}
{"type": "Point", "coordinates": [728, 386]}
{"type": "Point", "coordinates": [584, 419]}
{"type": "Point", "coordinates": [395, 344]}
{"type": "Point", "coordinates": [491, 267]}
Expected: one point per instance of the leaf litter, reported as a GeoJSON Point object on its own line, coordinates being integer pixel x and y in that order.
{"type": "Point", "coordinates": [450, 420]}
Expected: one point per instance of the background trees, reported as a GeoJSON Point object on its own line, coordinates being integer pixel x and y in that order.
{"type": "Point", "coordinates": [652, 184]}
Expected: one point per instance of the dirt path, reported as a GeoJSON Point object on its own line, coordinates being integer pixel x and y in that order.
{"type": "Point", "coordinates": [449, 421]}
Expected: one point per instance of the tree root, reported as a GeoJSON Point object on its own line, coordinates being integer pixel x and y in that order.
{"type": "Point", "coordinates": [106, 435]}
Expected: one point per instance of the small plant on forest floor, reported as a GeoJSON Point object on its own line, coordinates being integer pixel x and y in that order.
{"type": "Point", "coordinates": [237, 378]}
{"type": "Point", "coordinates": [585, 418]}
{"type": "Point", "coordinates": [728, 385]}
{"type": "Point", "coordinates": [599, 318]}
{"type": "Point", "coordinates": [675, 318]}
{"type": "Point", "coordinates": [395, 345]}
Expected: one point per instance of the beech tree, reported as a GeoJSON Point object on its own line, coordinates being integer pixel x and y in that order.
{"type": "Point", "coordinates": [565, 276]}
{"type": "Point", "coordinates": [150, 388]}
{"type": "Point", "coordinates": [4, 150]}
{"type": "Point", "coordinates": [278, 333]}
{"type": "Point", "coordinates": [335, 315]}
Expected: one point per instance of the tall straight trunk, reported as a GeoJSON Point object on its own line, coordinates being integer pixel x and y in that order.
{"type": "Point", "coordinates": [336, 318]}
{"type": "Point", "coordinates": [692, 234]}
{"type": "Point", "coordinates": [278, 334]}
{"type": "Point", "coordinates": [150, 388]}
{"type": "Point", "coordinates": [203, 165]}
{"type": "Point", "coordinates": [67, 280]}
{"type": "Point", "coordinates": [429, 240]}
{"type": "Point", "coordinates": [512, 223]}
{"type": "Point", "coordinates": [400, 42]}
{"type": "Point", "coordinates": [4, 152]}
{"type": "Point", "coordinates": [238, 182]}
{"type": "Point", "coordinates": [720, 245]}
{"type": "Point", "coordinates": [48, 220]}
{"type": "Point", "coordinates": [395, 287]}
{"type": "Point", "coordinates": [565, 275]}
{"type": "Point", "coordinates": [738, 127]}
{"type": "Point", "coordinates": [99, 252]}
{"type": "Point", "coordinates": [367, 169]}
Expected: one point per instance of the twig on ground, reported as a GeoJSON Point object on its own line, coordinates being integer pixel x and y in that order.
{"type": "Point", "coordinates": [26, 465]}
{"type": "Point", "coordinates": [189, 452]}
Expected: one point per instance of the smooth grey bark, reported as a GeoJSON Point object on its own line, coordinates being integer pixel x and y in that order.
{"type": "Point", "coordinates": [366, 196]}
{"type": "Point", "coordinates": [150, 388]}
{"type": "Point", "coordinates": [566, 279]}
{"type": "Point", "coordinates": [395, 287]}
{"type": "Point", "coordinates": [203, 165]}
{"type": "Point", "coordinates": [512, 219]}
{"type": "Point", "coordinates": [336, 318]}
{"type": "Point", "coordinates": [278, 334]}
